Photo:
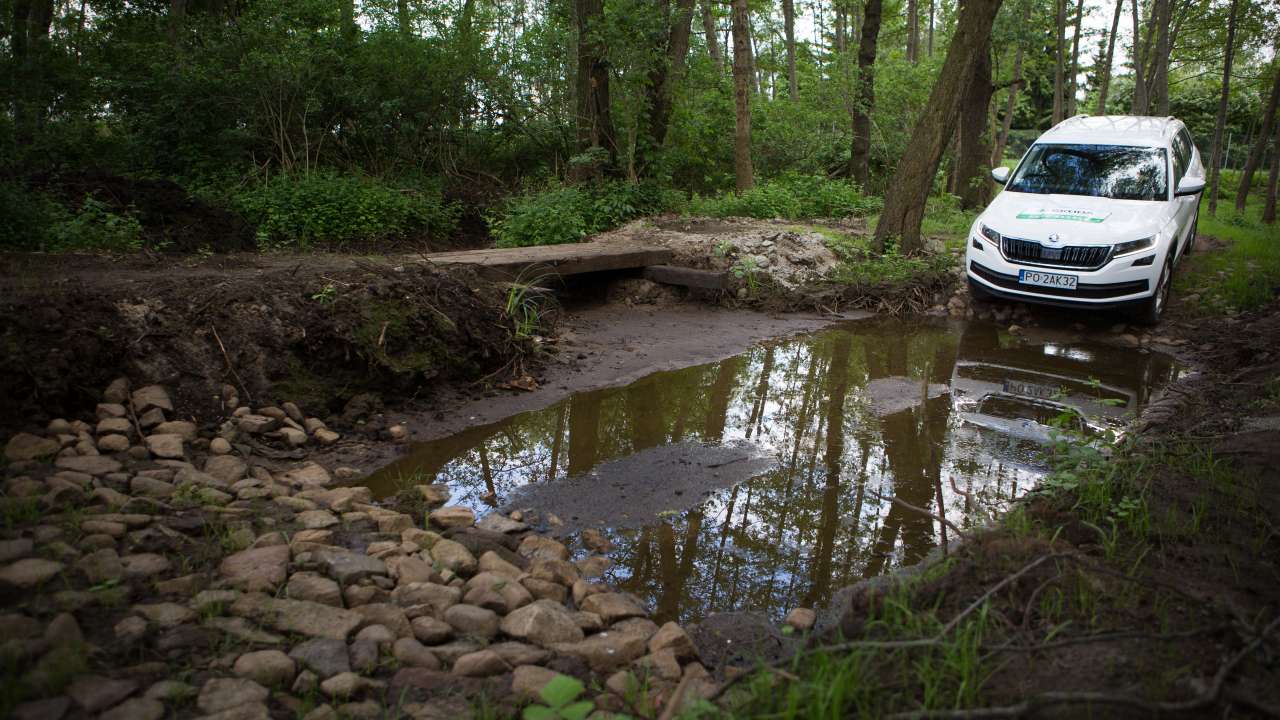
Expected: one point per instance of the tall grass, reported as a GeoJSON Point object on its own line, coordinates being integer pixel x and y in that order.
{"type": "Point", "coordinates": [1241, 276]}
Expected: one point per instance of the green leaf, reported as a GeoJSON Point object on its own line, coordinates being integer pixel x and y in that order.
{"type": "Point", "coordinates": [578, 710]}
{"type": "Point", "coordinates": [539, 712]}
{"type": "Point", "coordinates": [561, 691]}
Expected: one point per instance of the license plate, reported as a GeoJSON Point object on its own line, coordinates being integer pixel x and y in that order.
{"type": "Point", "coordinates": [1044, 279]}
{"type": "Point", "coordinates": [1026, 389]}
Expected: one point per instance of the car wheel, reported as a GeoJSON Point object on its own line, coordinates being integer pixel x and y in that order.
{"type": "Point", "coordinates": [1148, 311]}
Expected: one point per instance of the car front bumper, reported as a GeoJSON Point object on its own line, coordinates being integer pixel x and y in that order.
{"type": "Point", "coordinates": [1117, 283]}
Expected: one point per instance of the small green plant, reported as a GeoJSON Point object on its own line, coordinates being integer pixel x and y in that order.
{"type": "Point", "coordinates": [560, 695]}
{"type": "Point", "coordinates": [94, 226]}
{"type": "Point", "coordinates": [745, 269]}
{"type": "Point", "coordinates": [326, 295]}
{"type": "Point", "coordinates": [568, 214]}
{"type": "Point", "coordinates": [524, 304]}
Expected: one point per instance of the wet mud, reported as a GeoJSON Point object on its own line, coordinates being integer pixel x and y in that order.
{"type": "Point", "coordinates": [874, 432]}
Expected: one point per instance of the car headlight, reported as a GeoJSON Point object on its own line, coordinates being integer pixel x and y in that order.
{"type": "Point", "coordinates": [1133, 246]}
{"type": "Point", "coordinates": [989, 234]}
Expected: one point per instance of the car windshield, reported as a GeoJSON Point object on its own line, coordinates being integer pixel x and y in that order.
{"type": "Point", "coordinates": [1110, 171]}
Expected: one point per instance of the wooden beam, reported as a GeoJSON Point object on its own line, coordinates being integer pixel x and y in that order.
{"type": "Point", "coordinates": [569, 259]}
{"type": "Point", "coordinates": [687, 277]}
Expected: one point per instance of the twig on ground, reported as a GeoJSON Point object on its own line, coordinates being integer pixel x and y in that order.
{"type": "Point", "coordinates": [231, 366]}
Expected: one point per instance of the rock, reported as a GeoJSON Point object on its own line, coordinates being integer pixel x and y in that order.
{"type": "Point", "coordinates": [673, 637]}
{"type": "Point", "coordinates": [410, 570]}
{"type": "Point", "coordinates": [135, 709]}
{"type": "Point", "coordinates": [431, 631]}
{"type": "Point", "coordinates": [64, 631]}
{"type": "Point", "coordinates": [168, 445]}
{"type": "Point", "coordinates": [242, 629]}
{"type": "Point", "coordinates": [89, 464]}
{"type": "Point", "coordinates": [455, 556]}
{"type": "Point", "coordinates": [317, 519]}
{"type": "Point", "coordinates": [130, 630]}
{"type": "Point", "coordinates": [184, 428]}
{"type": "Point", "coordinates": [439, 597]}
{"type": "Point", "coordinates": [171, 690]}
{"type": "Point", "coordinates": [545, 590]}
{"type": "Point", "coordinates": [117, 392]}
{"type": "Point", "coordinates": [414, 654]}
{"type": "Point", "coordinates": [513, 594]}
{"type": "Point", "coordinates": [252, 424]}
{"type": "Point", "coordinates": [496, 522]}
{"type": "Point", "coordinates": [484, 663]}
{"type": "Point", "coordinates": [101, 566]}
{"type": "Point", "coordinates": [226, 468]}
{"type": "Point", "coordinates": [365, 650]}
{"type": "Point", "coordinates": [389, 616]}
{"type": "Point", "coordinates": [102, 527]}
{"type": "Point", "coordinates": [662, 664]}
{"type": "Point", "coordinates": [612, 607]}
{"type": "Point", "coordinates": [528, 680]}
{"type": "Point", "coordinates": [25, 446]}
{"type": "Point", "coordinates": [347, 567]}
{"type": "Point", "coordinates": [606, 651]}
{"type": "Point", "coordinates": [94, 693]}
{"type": "Point", "coordinates": [219, 446]}
{"type": "Point", "coordinates": [165, 615]}
{"type": "Point", "coordinates": [151, 487]}
{"type": "Point", "coordinates": [452, 517]}
{"type": "Point", "coordinates": [492, 562]}
{"type": "Point", "coordinates": [325, 436]}
{"type": "Point", "coordinates": [269, 668]}
{"type": "Point", "coordinates": [348, 684]}
{"type": "Point", "coordinates": [398, 432]}
{"type": "Point", "coordinates": [324, 657]}
{"type": "Point", "coordinates": [30, 572]}
{"type": "Point", "coordinates": [472, 620]}
{"type": "Point", "coordinates": [556, 571]}
{"type": "Point", "coordinates": [15, 549]}
{"type": "Point", "coordinates": [293, 436]}
{"type": "Point", "coordinates": [251, 711]}
{"type": "Point", "coordinates": [258, 569]}
{"type": "Point", "coordinates": [434, 494]}
{"type": "Point", "coordinates": [305, 618]}
{"type": "Point", "coordinates": [307, 475]}
{"type": "Point", "coordinates": [595, 541]}
{"type": "Point", "coordinates": [113, 443]}
{"type": "Point", "coordinates": [313, 587]}
{"type": "Point", "coordinates": [151, 396]}
{"type": "Point", "coordinates": [801, 619]}
{"type": "Point", "coordinates": [538, 547]}
{"type": "Point", "coordinates": [593, 566]}
{"type": "Point", "coordinates": [151, 418]}
{"type": "Point", "coordinates": [219, 694]}
{"type": "Point", "coordinates": [543, 622]}
{"type": "Point", "coordinates": [144, 565]}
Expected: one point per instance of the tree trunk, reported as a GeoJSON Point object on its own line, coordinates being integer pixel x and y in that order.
{"type": "Point", "coordinates": [753, 68]}
{"type": "Point", "coordinates": [1075, 61]}
{"type": "Point", "coordinates": [1060, 59]}
{"type": "Point", "coordinates": [1104, 84]}
{"type": "Point", "coordinates": [1269, 211]}
{"type": "Point", "coordinates": [1006, 124]}
{"type": "Point", "coordinates": [177, 18]}
{"type": "Point", "coordinates": [668, 72]}
{"type": "Point", "coordinates": [404, 20]}
{"type": "Point", "coordinates": [932, 10]}
{"type": "Point", "coordinates": [709, 28]}
{"type": "Point", "coordinates": [743, 173]}
{"type": "Point", "coordinates": [972, 184]}
{"type": "Point", "coordinates": [1216, 161]}
{"type": "Point", "coordinates": [789, 23]}
{"type": "Point", "coordinates": [860, 151]}
{"type": "Point", "coordinates": [908, 191]}
{"type": "Point", "coordinates": [1259, 148]}
{"type": "Point", "coordinates": [594, 121]}
{"type": "Point", "coordinates": [1159, 92]}
{"type": "Point", "coordinates": [1140, 100]}
{"type": "Point", "coordinates": [347, 19]}
{"type": "Point", "coordinates": [913, 31]}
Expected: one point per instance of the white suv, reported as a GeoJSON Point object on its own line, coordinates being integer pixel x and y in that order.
{"type": "Point", "coordinates": [1097, 214]}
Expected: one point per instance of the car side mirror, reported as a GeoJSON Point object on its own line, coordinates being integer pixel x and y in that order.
{"type": "Point", "coordinates": [1189, 186]}
{"type": "Point", "coordinates": [1001, 175]}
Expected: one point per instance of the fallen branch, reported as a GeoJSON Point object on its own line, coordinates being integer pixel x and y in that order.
{"type": "Point", "coordinates": [230, 366]}
{"type": "Point", "coordinates": [920, 510]}
{"type": "Point", "coordinates": [1106, 637]}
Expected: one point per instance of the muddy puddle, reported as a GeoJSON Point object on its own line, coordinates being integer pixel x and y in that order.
{"type": "Point", "coordinates": [767, 481]}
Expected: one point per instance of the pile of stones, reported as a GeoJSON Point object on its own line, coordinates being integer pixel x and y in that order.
{"type": "Point", "coordinates": [152, 568]}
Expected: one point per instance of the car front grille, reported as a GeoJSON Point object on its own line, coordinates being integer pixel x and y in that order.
{"type": "Point", "coordinates": [1073, 256]}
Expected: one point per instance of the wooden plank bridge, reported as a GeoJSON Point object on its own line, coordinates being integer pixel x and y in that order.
{"type": "Point", "coordinates": [529, 263]}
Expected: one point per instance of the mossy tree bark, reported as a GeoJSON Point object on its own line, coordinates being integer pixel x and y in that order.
{"type": "Point", "coordinates": [860, 152]}
{"type": "Point", "coordinates": [594, 121]}
{"type": "Point", "coordinates": [972, 184]}
{"type": "Point", "coordinates": [743, 172]}
{"type": "Point", "coordinates": [908, 190]}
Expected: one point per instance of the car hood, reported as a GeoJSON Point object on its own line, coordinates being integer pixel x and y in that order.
{"type": "Point", "coordinates": [1076, 219]}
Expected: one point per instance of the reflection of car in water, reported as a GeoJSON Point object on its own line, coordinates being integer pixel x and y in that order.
{"type": "Point", "coordinates": [1023, 392]}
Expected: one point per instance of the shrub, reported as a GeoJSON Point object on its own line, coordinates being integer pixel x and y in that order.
{"type": "Point", "coordinates": [301, 211]}
{"type": "Point", "coordinates": [568, 214]}
{"type": "Point", "coordinates": [95, 227]}
{"type": "Point", "coordinates": [791, 197]}
{"type": "Point", "coordinates": [26, 217]}
{"type": "Point", "coordinates": [36, 221]}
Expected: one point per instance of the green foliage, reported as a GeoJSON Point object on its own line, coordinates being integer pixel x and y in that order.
{"type": "Point", "coordinates": [568, 214]}
{"type": "Point", "coordinates": [791, 197]}
{"type": "Point", "coordinates": [1242, 276]}
{"type": "Point", "coordinates": [32, 220]}
{"type": "Point", "coordinates": [559, 695]}
{"type": "Point", "coordinates": [324, 209]}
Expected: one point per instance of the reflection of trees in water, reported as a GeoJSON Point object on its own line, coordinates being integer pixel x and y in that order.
{"type": "Point", "coordinates": [819, 520]}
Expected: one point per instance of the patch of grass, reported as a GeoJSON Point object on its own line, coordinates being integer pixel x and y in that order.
{"type": "Point", "coordinates": [17, 512]}
{"type": "Point", "coordinates": [790, 197]}
{"type": "Point", "coordinates": [1243, 275]}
